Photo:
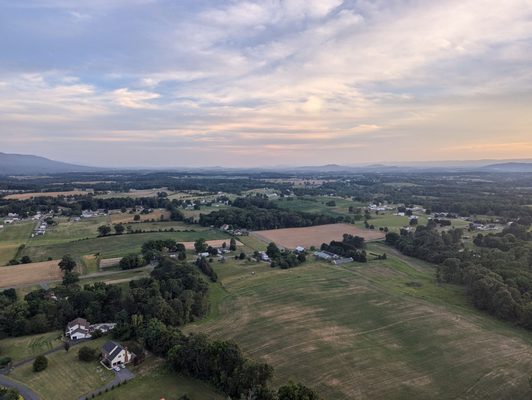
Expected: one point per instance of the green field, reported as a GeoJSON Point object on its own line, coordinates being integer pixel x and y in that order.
{"type": "Point", "coordinates": [66, 230]}
{"type": "Point", "coordinates": [22, 347]}
{"type": "Point", "coordinates": [11, 237]}
{"type": "Point", "coordinates": [382, 330]}
{"type": "Point", "coordinates": [114, 245]}
{"type": "Point", "coordinates": [154, 381]}
{"type": "Point", "coordinates": [66, 377]}
{"type": "Point", "coordinates": [316, 205]}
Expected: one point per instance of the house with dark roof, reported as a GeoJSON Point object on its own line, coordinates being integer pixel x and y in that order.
{"type": "Point", "coordinates": [114, 354]}
{"type": "Point", "coordinates": [78, 329]}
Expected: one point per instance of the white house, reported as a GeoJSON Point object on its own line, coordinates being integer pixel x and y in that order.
{"type": "Point", "coordinates": [299, 249]}
{"type": "Point", "coordinates": [78, 329]}
{"type": "Point", "coordinates": [113, 354]}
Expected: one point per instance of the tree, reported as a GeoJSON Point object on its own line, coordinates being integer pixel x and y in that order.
{"type": "Point", "coordinates": [200, 246]}
{"type": "Point", "coordinates": [232, 244]}
{"type": "Point", "coordinates": [104, 230]}
{"type": "Point", "coordinates": [119, 229]}
{"type": "Point", "coordinates": [69, 278]}
{"type": "Point", "coordinates": [293, 391]}
{"type": "Point", "coordinates": [40, 363]}
{"type": "Point", "coordinates": [131, 261]}
{"type": "Point", "coordinates": [25, 260]}
{"type": "Point", "coordinates": [87, 354]}
{"type": "Point", "coordinates": [66, 345]}
{"type": "Point", "coordinates": [9, 394]}
{"type": "Point", "coordinates": [136, 218]}
{"type": "Point", "coordinates": [67, 263]}
{"type": "Point", "coordinates": [273, 251]}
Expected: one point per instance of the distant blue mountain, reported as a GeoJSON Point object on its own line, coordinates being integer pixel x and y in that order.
{"type": "Point", "coordinates": [22, 164]}
{"type": "Point", "coordinates": [510, 167]}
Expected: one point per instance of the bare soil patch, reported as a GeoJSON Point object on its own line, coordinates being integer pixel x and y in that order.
{"type": "Point", "coordinates": [314, 235]}
{"type": "Point", "coordinates": [25, 274]}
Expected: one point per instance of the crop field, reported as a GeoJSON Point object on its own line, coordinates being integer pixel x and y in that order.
{"type": "Point", "coordinates": [314, 235]}
{"type": "Point", "coordinates": [381, 330]}
{"type": "Point", "coordinates": [11, 237]}
{"type": "Point", "coordinates": [66, 377]}
{"type": "Point", "coordinates": [26, 196]}
{"type": "Point", "coordinates": [26, 274]}
{"type": "Point", "coordinates": [114, 245]}
{"type": "Point", "coordinates": [22, 347]}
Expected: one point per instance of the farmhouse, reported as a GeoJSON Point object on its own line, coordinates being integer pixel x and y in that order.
{"type": "Point", "coordinates": [78, 329]}
{"type": "Point", "coordinates": [299, 249]}
{"type": "Point", "coordinates": [263, 256]}
{"type": "Point", "coordinates": [113, 354]}
{"type": "Point", "coordinates": [326, 255]}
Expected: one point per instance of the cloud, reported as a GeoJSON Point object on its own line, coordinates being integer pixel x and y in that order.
{"type": "Point", "coordinates": [134, 99]}
{"type": "Point", "coordinates": [396, 78]}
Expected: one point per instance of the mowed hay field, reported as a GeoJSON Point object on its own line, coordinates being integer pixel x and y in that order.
{"type": "Point", "coordinates": [314, 235]}
{"type": "Point", "coordinates": [25, 274]}
{"type": "Point", "coordinates": [381, 330]}
{"type": "Point", "coordinates": [11, 237]}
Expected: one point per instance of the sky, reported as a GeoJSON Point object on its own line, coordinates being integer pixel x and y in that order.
{"type": "Point", "coordinates": [167, 83]}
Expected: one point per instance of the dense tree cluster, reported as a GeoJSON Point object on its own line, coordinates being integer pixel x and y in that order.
{"type": "Point", "coordinates": [175, 293]}
{"type": "Point", "coordinates": [350, 246]}
{"type": "Point", "coordinates": [206, 268]}
{"type": "Point", "coordinates": [283, 258]}
{"type": "Point", "coordinates": [260, 214]}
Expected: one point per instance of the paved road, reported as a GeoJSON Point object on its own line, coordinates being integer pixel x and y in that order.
{"type": "Point", "coordinates": [120, 377]}
{"type": "Point", "coordinates": [25, 391]}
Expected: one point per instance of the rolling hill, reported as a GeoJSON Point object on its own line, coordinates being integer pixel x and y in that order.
{"type": "Point", "coordinates": [22, 164]}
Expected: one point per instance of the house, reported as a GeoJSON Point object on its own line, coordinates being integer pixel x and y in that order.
{"type": "Point", "coordinates": [103, 328]}
{"type": "Point", "coordinates": [263, 256]}
{"type": "Point", "coordinates": [299, 249]}
{"type": "Point", "coordinates": [224, 227]}
{"type": "Point", "coordinates": [114, 354]}
{"type": "Point", "coordinates": [78, 329]}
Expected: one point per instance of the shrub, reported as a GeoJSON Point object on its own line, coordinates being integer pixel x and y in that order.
{"type": "Point", "coordinates": [87, 354]}
{"type": "Point", "coordinates": [40, 363]}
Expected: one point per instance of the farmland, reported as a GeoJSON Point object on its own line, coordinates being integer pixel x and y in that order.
{"type": "Point", "coordinates": [26, 196]}
{"type": "Point", "coordinates": [26, 274]}
{"type": "Point", "coordinates": [314, 235]}
{"type": "Point", "coordinates": [378, 330]}
{"type": "Point", "coordinates": [11, 237]}
{"type": "Point", "coordinates": [115, 245]}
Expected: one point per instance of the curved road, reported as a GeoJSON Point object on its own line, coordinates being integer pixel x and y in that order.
{"type": "Point", "coordinates": [25, 391]}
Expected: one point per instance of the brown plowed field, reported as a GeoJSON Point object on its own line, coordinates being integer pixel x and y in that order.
{"type": "Point", "coordinates": [315, 235]}
{"type": "Point", "coordinates": [25, 274]}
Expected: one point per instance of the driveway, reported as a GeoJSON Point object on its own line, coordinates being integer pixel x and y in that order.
{"type": "Point", "coordinates": [25, 391]}
{"type": "Point", "coordinates": [120, 377]}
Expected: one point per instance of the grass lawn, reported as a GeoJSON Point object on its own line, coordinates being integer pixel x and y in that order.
{"type": "Point", "coordinates": [154, 381]}
{"type": "Point", "coordinates": [114, 245]}
{"type": "Point", "coordinates": [382, 330]}
{"type": "Point", "coordinates": [22, 347]}
{"type": "Point", "coordinates": [66, 377]}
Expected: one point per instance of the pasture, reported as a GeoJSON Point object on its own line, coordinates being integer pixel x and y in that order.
{"type": "Point", "coordinates": [317, 205]}
{"type": "Point", "coordinates": [124, 218]}
{"type": "Point", "coordinates": [381, 330]}
{"type": "Point", "coordinates": [11, 237]}
{"type": "Point", "coordinates": [114, 245]}
{"type": "Point", "coordinates": [27, 274]}
{"type": "Point", "coordinates": [314, 235]}
{"type": "Point", "coordinates": [66, 377]}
